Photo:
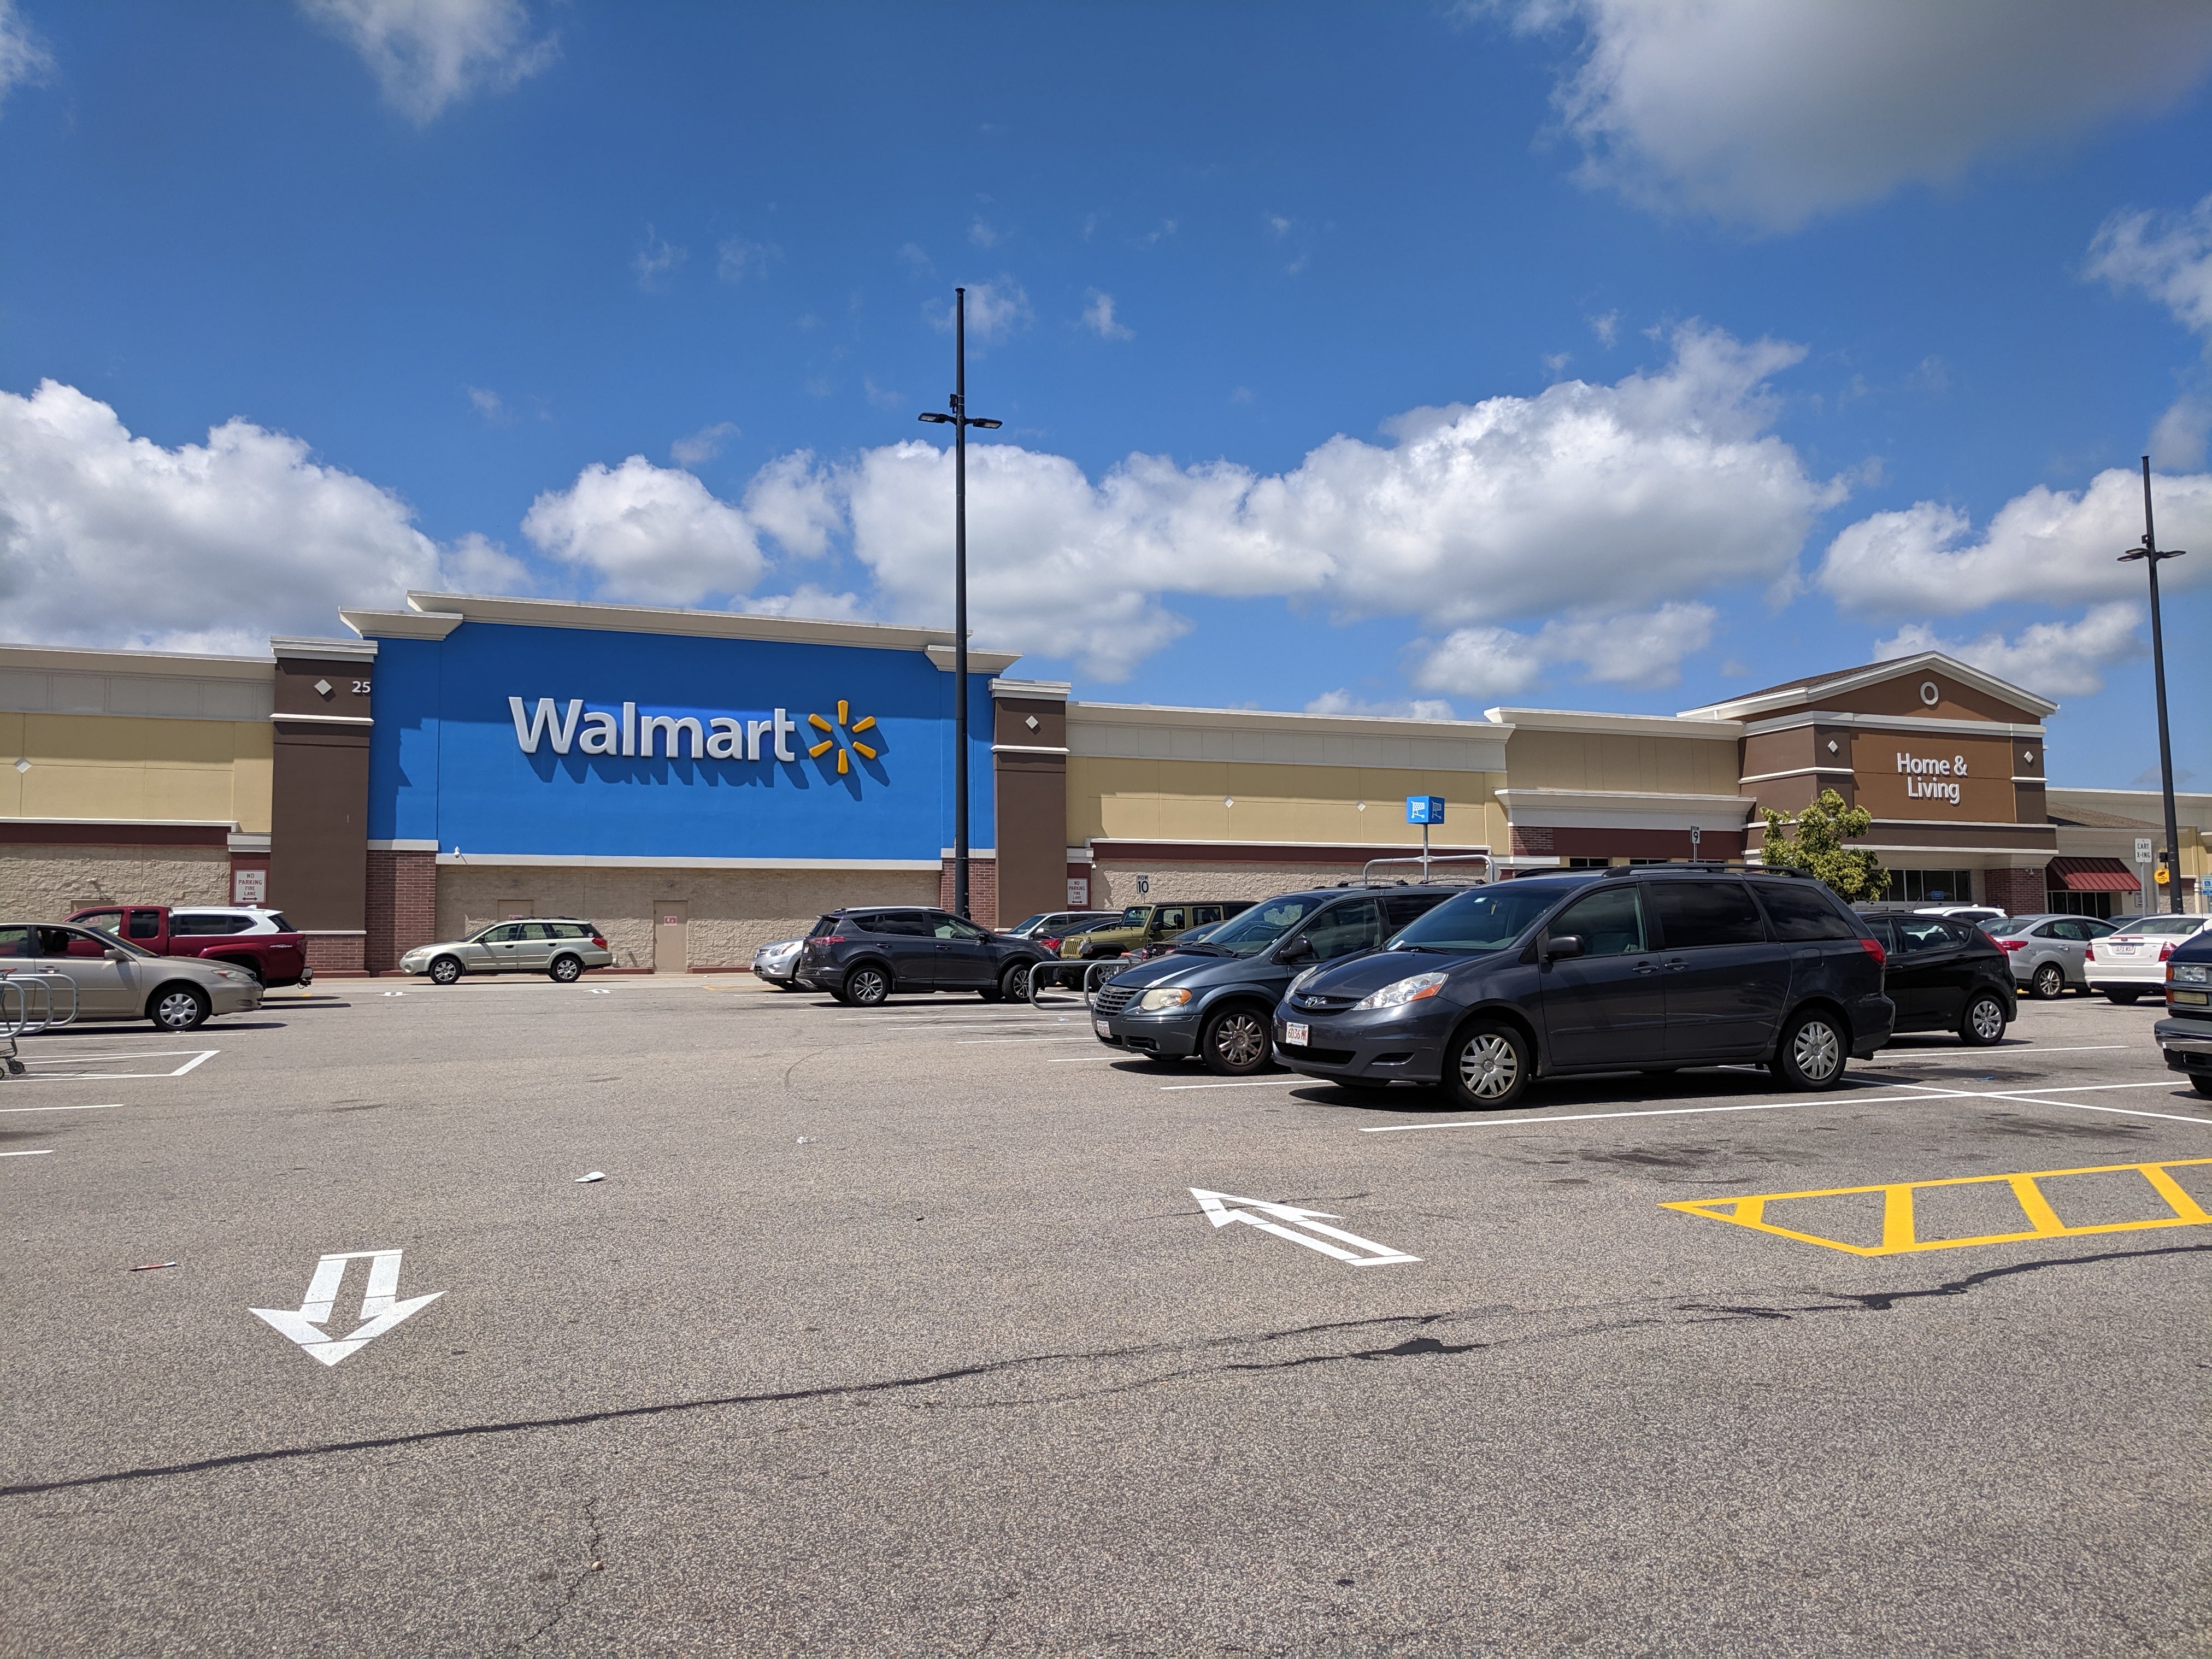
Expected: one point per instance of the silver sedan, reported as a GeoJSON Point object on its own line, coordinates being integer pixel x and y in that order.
{"type": "Point", "coordinates": [778, 963]}
{"type": "Point", "coordinates": [114, 979]}
{"type": "Point", "coordinates": [2047, 950]}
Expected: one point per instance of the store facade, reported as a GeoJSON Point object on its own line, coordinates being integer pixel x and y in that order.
{"type": "Point", "coordinates": [697, 783]}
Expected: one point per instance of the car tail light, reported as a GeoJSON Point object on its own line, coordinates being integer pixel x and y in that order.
{"type": "Point", "coordinates": [2164, 952]}
{"type": "Point", "coordinates": [1873, 948]}
{"type": "Point", "coordinates": [599, 941]}
{"type": "Point", "coordinates": [2088, 953]}
{"type": "Point", "coordinates": [2012, 944]}
{"type": "Point", "coordinates": [1049, 943]}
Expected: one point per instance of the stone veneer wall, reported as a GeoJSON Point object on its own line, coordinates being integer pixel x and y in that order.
{"type": "Point", "coordinates": [45, 884]}
{"type": "Point", "coordinates": [1114, 885]}
{"type": "Point", "coordinates": [731, 913]}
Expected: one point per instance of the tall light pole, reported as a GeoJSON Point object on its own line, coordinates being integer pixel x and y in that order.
{"type": "Point", "coordinates": [959, 420]}
{"type": "Point", "coordinates": [2149, 554]}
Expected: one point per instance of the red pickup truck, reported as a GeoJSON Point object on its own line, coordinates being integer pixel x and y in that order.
{"type": "Point", "coordinates": [260, 941]}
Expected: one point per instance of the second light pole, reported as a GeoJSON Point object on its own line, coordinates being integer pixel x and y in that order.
{"type": "Point", "coordinates": [959, 420]}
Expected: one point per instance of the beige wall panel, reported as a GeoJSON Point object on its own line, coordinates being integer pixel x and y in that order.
{"type": "Point", "coordinates": [731, 913]}
{"type": "Point", "coordinates": [1607, 761]}
{"type": "Point", "coordinates": [45, 884]}
{"type": "Point", "coordinates": [1182, 801]}
{"type": "Point", "coordinates": [86, 767]}
{"type": "Point", "coordinates": [1115, 884]}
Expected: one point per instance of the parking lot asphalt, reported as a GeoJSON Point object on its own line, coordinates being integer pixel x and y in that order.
{"type": "Point", "coordinates": [940, 1327]}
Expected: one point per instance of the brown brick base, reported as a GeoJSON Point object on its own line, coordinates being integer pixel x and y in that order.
{"type": "Point", "coordinates": [335, 956]}
{"type": "Point", "coordinates": [403, 907]}
{"type": "Point", "coordinates": [982, 891]}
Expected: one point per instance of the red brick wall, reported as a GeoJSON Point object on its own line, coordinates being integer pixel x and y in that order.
{"type": "Point", "coordinates": [335, 955]}
{"type": "Point", "coordinates": [1532, 841]}
{"type": "Point", "coordinates": [982, 891]}
{"type": "Point", "coordinates": [2019, 892]}
{"type": "Point", "coordinates": [402, 906]}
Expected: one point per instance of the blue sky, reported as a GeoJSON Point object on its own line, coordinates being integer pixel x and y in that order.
{"type": "Point", "coordinates": [1754, 341]}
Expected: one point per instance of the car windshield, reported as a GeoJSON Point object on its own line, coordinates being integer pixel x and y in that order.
{"type": "Point", "coordinates": [107, 937]}
{"type": "Point", "coordinates": [1250, 932]}
{"type": "Point", "coordinates": [1024, 926]}
{"type": "Point", "coordinates": [2164, 925]}
{"type": "Point", "coordinates": [2005, 927]}
{"type": "Point", "coordinates": [1134, 915]}
{"type": "Point", "coordinates": [1485, 919]}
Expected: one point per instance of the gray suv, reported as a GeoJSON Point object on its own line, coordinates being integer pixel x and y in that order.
{"type": "Point", "coordinates": [560, 947]}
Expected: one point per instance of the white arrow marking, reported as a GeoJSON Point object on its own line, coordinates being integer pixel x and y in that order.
{"type": "Point", "coordinates": [1217, 1208]}
{"type": "Point", "coordinates": [380, 1308]}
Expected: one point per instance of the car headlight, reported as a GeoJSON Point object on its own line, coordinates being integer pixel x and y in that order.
{"type": "Point", "coordinates": [1152, 1001]}
{"type": "Point", "coordinates": [2189, 973]}
{"type": "Point", "coordinates": [1421, 985]}
{"type": "Point", "coordinates": [1294, 985]}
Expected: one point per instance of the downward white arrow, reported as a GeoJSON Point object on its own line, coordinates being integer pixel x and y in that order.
{"type": "Point", "coordinates": [380, 1308]}
{"type": "Point", "coordinates": [1365, 1253]}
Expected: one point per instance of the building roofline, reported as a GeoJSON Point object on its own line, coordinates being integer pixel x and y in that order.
{"type": "Point", "coordinates": [1850, 679]}
{"type": "Point", "coordinates": [71, 659]}
{"type": "Point", "coordinates": [1657, 725]}
{"type": "Point", "coordinates": [1394, 725]}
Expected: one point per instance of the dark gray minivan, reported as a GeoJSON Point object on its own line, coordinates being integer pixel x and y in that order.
{"type": "Point", "coordinates": [1641, 968]}
{"type": "Point", "coordinates": [1213, 998]}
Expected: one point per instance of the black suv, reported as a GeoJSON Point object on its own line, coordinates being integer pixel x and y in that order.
{"type": "Point", "coordinates": [862, 955]}
{"type": "Point", "coordinates": [1649, 968]}
{"type": "Point", "coordinates": [1945, 976]}
{"type": "Point", "coordinates": [1213, 996]}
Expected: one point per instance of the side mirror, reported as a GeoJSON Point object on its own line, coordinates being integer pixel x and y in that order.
{"type": "Point", "coordinates": [1563, 948]}
{"type": "Point", "coordinates": [1298, 949]}
{"type": "Point", "coordinates": [111, 954]}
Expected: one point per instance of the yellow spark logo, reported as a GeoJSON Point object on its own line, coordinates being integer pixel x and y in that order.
{"type": "Point", "coordinates": [849, 743]}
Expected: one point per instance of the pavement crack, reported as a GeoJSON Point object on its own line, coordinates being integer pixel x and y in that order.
{"type": "Point", "coordinates": [1885, 1301]}
{"type": "Point", "coordinates": [595, 1562]}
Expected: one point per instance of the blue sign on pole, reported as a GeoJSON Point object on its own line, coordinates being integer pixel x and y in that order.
{"type": "Point", "coordinates": [1425, 809]}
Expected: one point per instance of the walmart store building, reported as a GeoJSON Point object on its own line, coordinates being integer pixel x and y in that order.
{"type": "Point", "coordinates": [698, 782]}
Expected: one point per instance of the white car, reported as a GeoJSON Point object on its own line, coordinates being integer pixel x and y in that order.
{"type": "Point", "coordinates": [778, 963]}
{"type": "Point", "coordinates": [2130, 961]}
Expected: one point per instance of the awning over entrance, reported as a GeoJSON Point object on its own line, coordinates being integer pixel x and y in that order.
{"type": "Point", "coordinates": [2090, 876]}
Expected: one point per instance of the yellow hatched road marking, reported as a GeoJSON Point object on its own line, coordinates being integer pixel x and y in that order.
{"type": "Point", "coordinates": [1898, 1236]}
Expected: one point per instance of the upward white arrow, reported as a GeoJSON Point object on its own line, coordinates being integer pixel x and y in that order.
{"type": "Point", "coordinates": [380, 1308]}
{"type": "Point", "coordinates": [1364, 1253]}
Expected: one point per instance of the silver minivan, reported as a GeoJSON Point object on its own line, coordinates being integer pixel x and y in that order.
{"type": "Point", "coordinates": [560, 947]}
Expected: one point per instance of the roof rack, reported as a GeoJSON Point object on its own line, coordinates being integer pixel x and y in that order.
{"type": "Point", "coordinates": [1425, 860]}
{"type": "Point", "coordinates": [1715, 866]}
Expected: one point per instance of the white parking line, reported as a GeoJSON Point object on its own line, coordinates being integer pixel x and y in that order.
{"type": "Point", "coordinates": [1924, 1091]}
{"type": "Point", "coordinates": [1982, 1056]}
{"type": "Point", "coordinates": [1244, 1083]}
{"type": "Point", "coordinates": [970, 1042]}
{"type": "Point", "coordinates": [111, 1106]}
{"type": "Point", "coordinates": [43, 1151]}
{"type": "Point", "coordinates": [199, 1056]}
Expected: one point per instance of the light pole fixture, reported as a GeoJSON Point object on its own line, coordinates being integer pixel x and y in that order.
{"type": "Point", "coordinates": [2150, 555]}
{"type": "Point", "coordinates": [959, 420]}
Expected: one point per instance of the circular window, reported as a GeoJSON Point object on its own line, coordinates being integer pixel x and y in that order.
{"type": "Point", "coordinates": [1928, 693]}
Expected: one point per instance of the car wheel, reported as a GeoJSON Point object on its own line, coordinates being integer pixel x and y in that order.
{"type": "Point", "coordinates": [566, 970]}
{"type": "Point", "coordinates": [866, 986]}
{"type": "Point", "coordinates": [2202, 1083]}
{"type": "Point", "coordinates": [1235, 1042]}
{"type": "Point", "coordinates": [180, 1008]}
{"type": "Point", "coordinates": [1488, 1068]}
{"type": "Point", "coordinates": [445, 970]}
{"type": "Point", "coordinates": [2049, 983]}
{"type": "Point", "coordinates": [1014, 983]}
{"type": "Point", "coordinates": [1812, 1053]}
{"type": "Point", "coordinates": [1983, 1024]}
{"type": "Point", "coordinates": [2126, 999]}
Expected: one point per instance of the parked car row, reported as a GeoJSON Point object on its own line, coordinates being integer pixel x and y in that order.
{"type": "Point", "coordinates": [2185, 1035]}
{"type": "Point", "coordinates": [1480, 990]}
{"type": "Point", "coordinates": [111, 978]}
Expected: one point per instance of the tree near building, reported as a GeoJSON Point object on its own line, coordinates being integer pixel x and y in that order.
{"type": "Point", "coordinates": [1818, 848]}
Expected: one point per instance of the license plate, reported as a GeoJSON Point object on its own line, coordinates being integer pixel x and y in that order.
{"type": "Point", "coordinates": [1296, 1035]}
{"type": "Point", "coordinates": [1103, 1028]}
{"type": "Point", "coordinates": [2123, 950]}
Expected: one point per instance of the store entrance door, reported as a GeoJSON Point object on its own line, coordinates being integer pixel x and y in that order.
{"type": "Point", "coordinates": [671, 937]}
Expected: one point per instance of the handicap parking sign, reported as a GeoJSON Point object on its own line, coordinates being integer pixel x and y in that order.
{"type": "Point", "coordinates": [1425, 809]}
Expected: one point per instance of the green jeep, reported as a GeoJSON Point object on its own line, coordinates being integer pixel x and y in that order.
{"type": "Point", "coordinates": [1149, 924]}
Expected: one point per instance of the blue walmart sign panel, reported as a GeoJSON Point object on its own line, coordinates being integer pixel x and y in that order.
{"type": "Point", "coordinates": [567, 742]}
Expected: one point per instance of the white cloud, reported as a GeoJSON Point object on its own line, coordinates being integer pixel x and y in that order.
{"type": "Point", "coordinates": [647, 533]}
{"type": "Point", "coordinates": [428, 54]}
{"type": "Point", "coordinates": [24, 59]}
{"type": "Point", "coordinates": [703, 445]}
{"type": "Point", "coordinates": [2168, 257]}
{"type": "Point", "coordinates": [791, 499]}
{"type": "Point", "coordinates": [1606, 328]}
{"type": "Point", "coordinates": [2045, 546]}
{"type": "Point", "coordinates": [881, 397]}
{"type": "Point", "coordinates": [994, 311]}
{"type": "Point", "coordinates": [916, 262]}
{"type": "Point", "coordinates": [735, 258]}
{"type": "Point", "coordinates": [2053, 659]}
{"type": "Point", "coordinates": [656, 260]}
{"type": "Point", "coordinates": [1341, 702]}
{"type": "Point", "coordinates": [1643, 649]}
{"type": "Point", "coordinates": [2178, 438]}
{"type": "Point", "coordinates": [982, 235]}
{"type": "Point", "coordinates": [818, 604]}
{"type": "Point", "coordinates": [110, 539]}
{"type": "Point", "coordinates": [1098, 318]}
{"type": "Point", "coordinates": [487, 403]}
{"type": "Point", "coordinates": [1768, 114]}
